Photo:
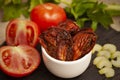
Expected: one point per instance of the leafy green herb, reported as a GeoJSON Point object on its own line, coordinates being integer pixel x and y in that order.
{"type": "Point", "coordinates": [98, 14]}
{"type": "Point", "coordinates": [13, 9]}
{"type": "Point", "coordinates": [79, 10]}
{"type": "Point", "coordinates": [91, 10]}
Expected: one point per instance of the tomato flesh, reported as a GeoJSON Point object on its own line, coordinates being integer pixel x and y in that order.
{"type": "Point", "coordinates": [47, 15]}
{"type": "Point", "coordinates": [19, 61]}
{"type": "Point", "coordinates": [22, 32]}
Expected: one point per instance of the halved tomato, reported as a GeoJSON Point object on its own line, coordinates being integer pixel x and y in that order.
{"type": "Point", "coordinates": [19, 61]}
{"type": "Point", "coordinates": [22, 32]}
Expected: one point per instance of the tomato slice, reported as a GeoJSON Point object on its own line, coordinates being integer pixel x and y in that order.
{"type": "Point", "coordinates": [22, 32]}
{"type": "Point", "coordinates": [19, 61]}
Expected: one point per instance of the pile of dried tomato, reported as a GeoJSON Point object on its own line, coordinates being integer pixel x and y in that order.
{"type": "Point", "coordinates": [67, 42]}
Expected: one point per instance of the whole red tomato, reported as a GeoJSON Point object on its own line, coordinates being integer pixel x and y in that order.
{"type": "Point", "coordinates": [22, 32]}
{"type": "Point", "coordinates": [19, 61]}
{"type": "Point", "coordinates": [47, 15]}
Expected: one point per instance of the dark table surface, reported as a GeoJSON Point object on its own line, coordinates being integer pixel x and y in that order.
{"type": "Point", "coordinates": [104, 36]}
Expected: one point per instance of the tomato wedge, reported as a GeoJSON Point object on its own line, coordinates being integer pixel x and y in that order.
{"type": "Point", "coordinates": [22, 32]}
{"type": "Point", "coordinates": [19, 61]}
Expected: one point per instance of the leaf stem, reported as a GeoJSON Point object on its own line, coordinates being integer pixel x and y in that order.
{"type": "Point", "coordinates": [113, 9]}
{"type": "Point", "coordinates": [41, 1]}
{"type": "Point", "coordinates": [66, 2]}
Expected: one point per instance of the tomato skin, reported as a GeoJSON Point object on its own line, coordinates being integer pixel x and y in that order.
{"type": "Point", "coordinates": [47, 15]}
{"type": "Point", "coordinates": [17, 64]}
{"type": "Point", "coordinates": [22, 32]}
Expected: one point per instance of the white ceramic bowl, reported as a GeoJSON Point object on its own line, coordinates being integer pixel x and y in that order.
{"type": "Point", "coordinates": [66, 69]}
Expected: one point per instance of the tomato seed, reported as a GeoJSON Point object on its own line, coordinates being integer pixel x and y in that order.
{"type": "Point", "coordinates": [6, 57]}
{"type": "Point", "coordinates": [26, 64]}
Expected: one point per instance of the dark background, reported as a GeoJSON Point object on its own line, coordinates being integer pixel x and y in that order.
{"type": "Point", "coordinates": [104, 36]}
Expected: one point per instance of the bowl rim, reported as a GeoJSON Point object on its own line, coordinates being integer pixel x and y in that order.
{"type": "Point", "coordinates": [66, 62]}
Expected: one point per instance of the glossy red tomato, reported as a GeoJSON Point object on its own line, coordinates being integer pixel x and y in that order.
{"type": "Point", "coordinates": [22, 32]}
{"type": "Point", "coordinates": [47, 15]}
{"type": "Point", "coordinates": [19, 61]}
